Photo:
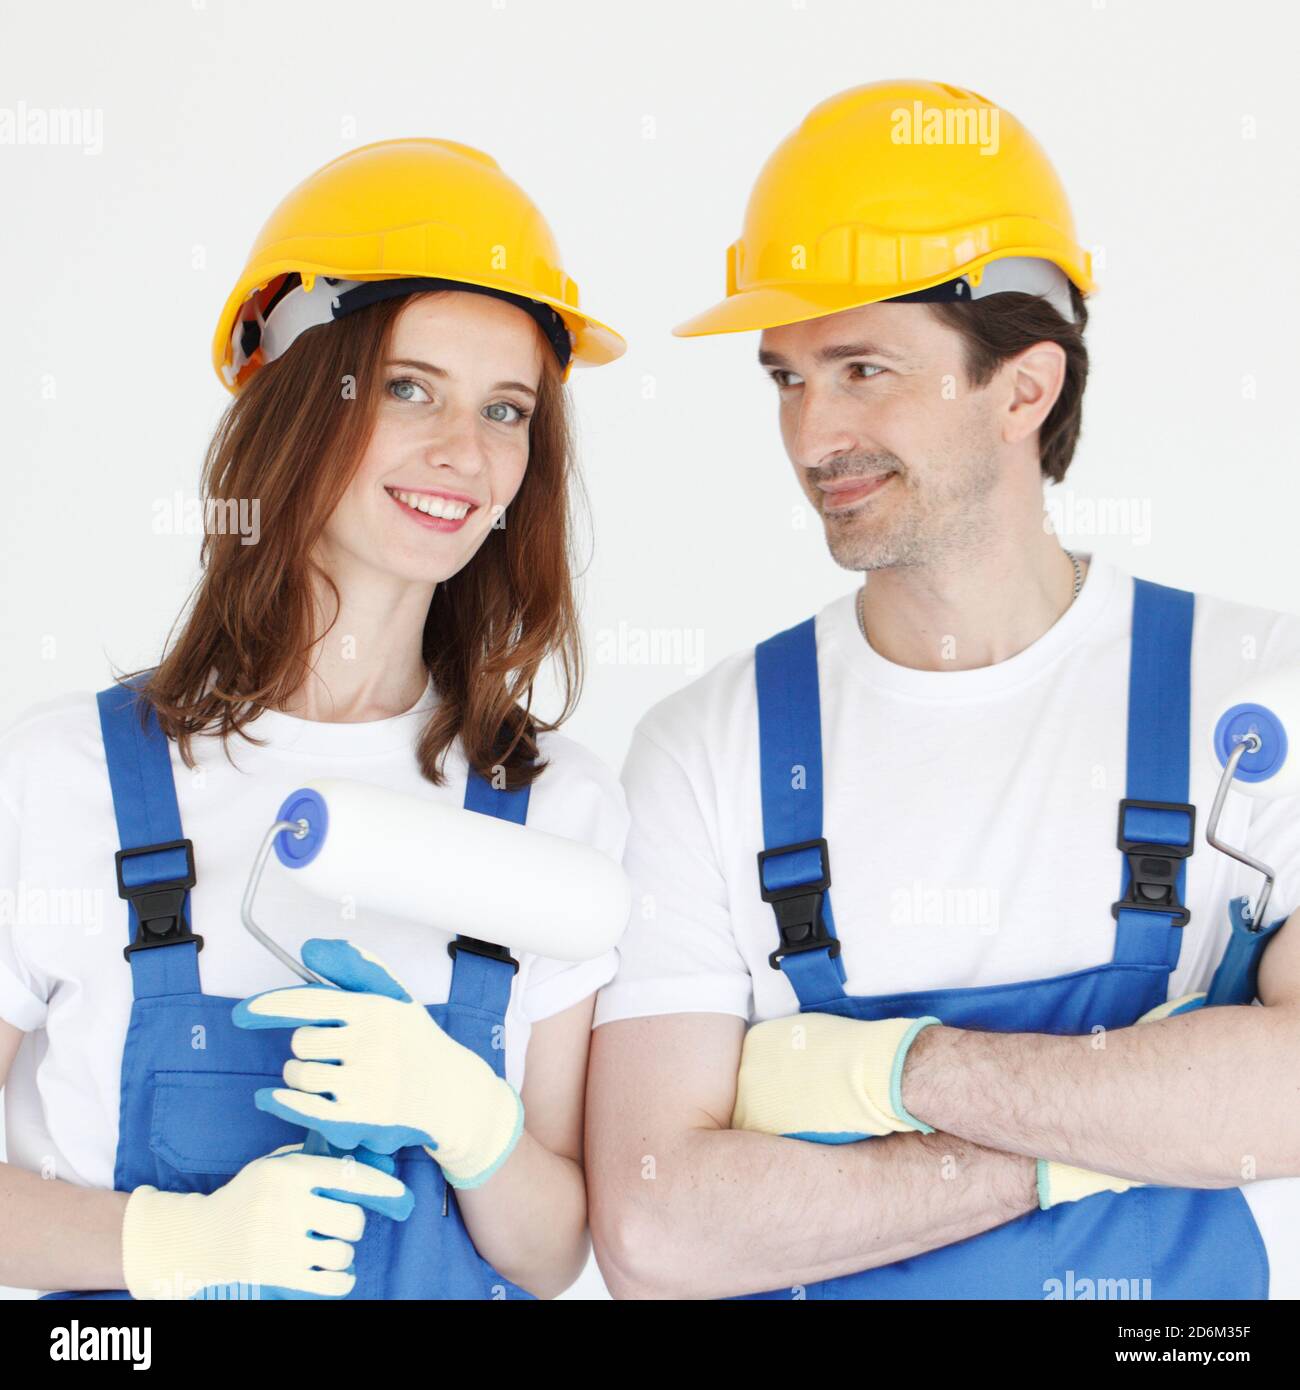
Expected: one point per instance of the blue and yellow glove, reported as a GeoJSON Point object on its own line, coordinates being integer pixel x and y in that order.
{"type": "Point", "coordinates": [825, 1078]}
{"type": "Point", "coordinates": [284, 1227]}
{"type": "Point", "coordinates": [1059, 1182]}
{"type": "Point", "coordinates": [372, 1069]}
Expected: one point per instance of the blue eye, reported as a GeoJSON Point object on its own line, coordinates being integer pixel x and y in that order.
{"type": "Point", "coordinates": [395, 388]}
{"type": "Point", "coordinates": [519, 416]}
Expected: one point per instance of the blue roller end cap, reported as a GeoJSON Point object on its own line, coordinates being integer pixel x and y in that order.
{"type": "Point", "coordinates": [307, 805]}
{"type": "Point", "coordinates": [1234, 726]}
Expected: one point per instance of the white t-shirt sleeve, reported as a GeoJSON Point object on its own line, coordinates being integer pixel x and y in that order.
{"type": "Point", "coordinates": [595, 811]}
{"type": "Point", "coordinates": [22, 997]}
{"type": "Point", "coordinates": [556, 985]}
{"type": "Point", "coordinates": [679, 953]}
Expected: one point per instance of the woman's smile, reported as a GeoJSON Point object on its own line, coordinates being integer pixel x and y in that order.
{"type": "Point", "coordinates": [435, 511]}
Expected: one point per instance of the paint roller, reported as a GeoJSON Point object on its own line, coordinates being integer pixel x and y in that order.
{"type": "Point", "coordinates": [1259, 758]}
{"type": "Point", "coordinates": [463, 873]}
{"type": "Point", "coordinates": [473, 879]}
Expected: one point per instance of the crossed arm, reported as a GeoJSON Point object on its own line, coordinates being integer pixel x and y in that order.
{"type": "Point", "coordinates": [1205, 1099]}
{"type": "Point", "coordinates": [683, 1207]}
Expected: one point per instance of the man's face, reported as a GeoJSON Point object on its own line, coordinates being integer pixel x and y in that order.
{"type": "Point", "coordinates": [899, 456]}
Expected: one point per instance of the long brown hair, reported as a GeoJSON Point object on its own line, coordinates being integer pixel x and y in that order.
{"type": "Point", "coordinates": [292, 439]}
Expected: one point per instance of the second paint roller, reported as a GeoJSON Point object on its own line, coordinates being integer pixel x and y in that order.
{"type": "Point", "coordinates": [1262, 759]}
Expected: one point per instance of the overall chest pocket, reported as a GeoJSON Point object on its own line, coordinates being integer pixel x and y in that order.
{"type": "Point", "coordinates": [204, 1127]}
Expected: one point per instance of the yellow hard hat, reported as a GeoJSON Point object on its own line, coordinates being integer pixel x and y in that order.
{"type": "Point", "coordinates": [887, 190]}
{"type": "Point", "coordinates": [411, 210]}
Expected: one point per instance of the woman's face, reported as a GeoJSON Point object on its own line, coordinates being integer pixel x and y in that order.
{"type": "Point", "coordinates": [450, 443]}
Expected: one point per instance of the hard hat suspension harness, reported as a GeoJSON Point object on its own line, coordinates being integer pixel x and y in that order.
{"type": "Point", "coordinates": [272, 319]}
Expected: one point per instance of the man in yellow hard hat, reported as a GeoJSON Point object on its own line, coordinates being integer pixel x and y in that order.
{"type": "Point", "coordinates": [937, 1091]}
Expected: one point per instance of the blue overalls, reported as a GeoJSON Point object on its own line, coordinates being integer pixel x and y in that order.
{"type": "Point", "coordinates": [1190, 1243]}
{"type": "Point", "coordinates": [188, 1121]}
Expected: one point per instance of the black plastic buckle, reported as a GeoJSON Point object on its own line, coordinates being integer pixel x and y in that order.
{"type": "Point", "coordinates": [482, 948]}
{"type": "Point", "coordinates": [1153, 869]}
{"type": "Point", "coordinates": [160, 907]}
{"type": "Point", "coordinates": [798, 907]}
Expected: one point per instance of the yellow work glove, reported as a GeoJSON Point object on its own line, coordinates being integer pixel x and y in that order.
{"type": "Point", "coordinates": [371, 1068]}
{"type": "Point", "coordinates": [825, 1078]}
{"type": "Point", "coordinates": [260, 1230]}
{"type": "Point", "coordinates": [1058, 1182]}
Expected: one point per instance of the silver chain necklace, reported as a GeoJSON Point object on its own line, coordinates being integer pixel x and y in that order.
{"type": "Point", "coordinates": [1078, 584]}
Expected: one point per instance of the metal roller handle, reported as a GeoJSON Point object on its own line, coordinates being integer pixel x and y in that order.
{"type": "Point", "coordinates": [298, 829]}
{"type": "Point", "coordinates": [1254, 915]}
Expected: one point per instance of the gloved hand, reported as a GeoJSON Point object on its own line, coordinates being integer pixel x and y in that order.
{"type": "Point", "coordinates": [1059, 1182]}
{"type": "Point", "coordinates": [285, 1224]}
{"type": "Point", "coordinates": [822, 1077]}
{"type": "Point", "coordinates": [378, 1072]}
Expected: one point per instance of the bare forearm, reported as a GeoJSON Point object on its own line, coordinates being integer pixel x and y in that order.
{"type": "Point", "coordinates": [55, 1235]}
{"type": "Point", "coordinates": [1200, 1100]}
{"type": "Point", "coordinates": [529, 1220]}
{"type": "Point", "coordinates": [721, 1212]}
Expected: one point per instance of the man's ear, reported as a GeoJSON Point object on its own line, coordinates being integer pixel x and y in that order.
{"type": "Point", "coordinates": [1036, 376]}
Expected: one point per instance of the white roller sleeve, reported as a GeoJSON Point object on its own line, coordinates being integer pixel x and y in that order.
{"type": "Point", "coordinates": [1269, 707]}
{"type": "Point", "coordinates": [467, 874]}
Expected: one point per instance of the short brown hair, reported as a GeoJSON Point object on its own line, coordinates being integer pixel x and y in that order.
{"type": "Point", "coordinates": [997, 327]}
{"type": "Point", "coordinates": [293, 439]}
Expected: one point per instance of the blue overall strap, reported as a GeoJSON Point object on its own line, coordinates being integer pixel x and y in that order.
{"type": "Point", "coordinates": [794, 872]}
{"type": "Point", "coordinates": [155, 865]}
{"type": "Point", "coordinates": [482, 974]}
{"type": "Point", "coordinates": [1156, 823]}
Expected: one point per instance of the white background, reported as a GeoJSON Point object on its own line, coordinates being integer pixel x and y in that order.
{"type": "Point", "coordinates": [638, 129]}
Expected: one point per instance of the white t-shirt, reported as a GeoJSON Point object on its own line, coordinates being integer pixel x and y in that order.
{"type": "Point", "coordinates": [970, 818]}
{"type": "Point", "coordinates": [63, 979]}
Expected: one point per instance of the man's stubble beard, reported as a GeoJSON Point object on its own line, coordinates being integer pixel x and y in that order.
{"type": "Point", "coordinates": [926, 523]}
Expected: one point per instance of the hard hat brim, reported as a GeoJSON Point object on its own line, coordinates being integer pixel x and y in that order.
{"type": "Point", "coordinates": [769, 308]}
{"type": "Point", "coordinates": [774, 306]}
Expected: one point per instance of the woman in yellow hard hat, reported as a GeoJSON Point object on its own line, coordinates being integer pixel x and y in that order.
{"type": "Point", "coordinates": [386, 569]}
